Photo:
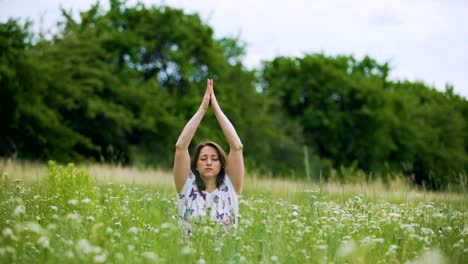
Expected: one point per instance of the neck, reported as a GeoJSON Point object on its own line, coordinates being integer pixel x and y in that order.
{"type": "Point", "coordinates": [210, 184]}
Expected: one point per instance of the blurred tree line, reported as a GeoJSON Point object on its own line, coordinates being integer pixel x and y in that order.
{"type": "Point", "coordinates": [118, 86]}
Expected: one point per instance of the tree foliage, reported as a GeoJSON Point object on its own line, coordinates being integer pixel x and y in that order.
{"type": "Point", "coordinates": [119, 84]}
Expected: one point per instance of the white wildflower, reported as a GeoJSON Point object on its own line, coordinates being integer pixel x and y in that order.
{"type": "Point", "coordinates": [100, 258]}
{"type": "Point", "coordinates": [427, 231]}
{"type": "Point", "coordinates": [391, 250]}
{"type": "Point", "coordinates": [53, 207]}
{"type": "Point", "coordinates": [86, 200]}
{"type": "Point", "coordinates": [133, 230]}
{"type": "Point", "coordinates": [34, 227]}
{"type": "Point", "coordinates": [438, 215]}
{"type": "Point", "coordinates": [84, 246]}
{"type": "Point", "coordinates": [19, 210]}
{"type": "Point", "coordinates": [408, 227]}
{"type": "Point", "coordinates": [119, 256]}
{"type": "Point", "coordinates": [322, 247]}
{"type": "Point", "coordinates": [166, 225]}
{"type": "Point", "coordinates": [43, 241]}
{"type": "Point", "coordinates": [430, 257]}
{"type": "Point", "coordinates": [274, 259]}
{"type": "Point", "coordinates": [69, 254]}
{"type": "Point", "coordinates": [73, 202]}
{"type": "Point", "coordinates": [347, 248]}
{"type": "Point", "coordinates": [394, 215]}
{"type": "Point", "coordinates": [74, 217]}
{"type": "Point", "coordinates": [187, 250]}
{"type": "Point", "coordinates": [90, 218]}
{"type": "Point", "coordinates": [7, 232]}
{"type": "Point", "coordinates": [378, 240]}
{"type": "Point", "coordinates": [150, 255]}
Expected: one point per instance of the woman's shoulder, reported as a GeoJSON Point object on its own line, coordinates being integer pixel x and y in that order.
{"type": "Point", "coordinates": [189, 184]}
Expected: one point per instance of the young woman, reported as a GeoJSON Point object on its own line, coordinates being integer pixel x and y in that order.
{"type": "Point", "coordinates": [208, 185]}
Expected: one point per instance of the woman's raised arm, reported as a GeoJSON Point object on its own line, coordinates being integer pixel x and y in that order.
{"type": "Point", "coordinates": [182, 156]}
{"type": "Point", "coordinates": [235, 164]}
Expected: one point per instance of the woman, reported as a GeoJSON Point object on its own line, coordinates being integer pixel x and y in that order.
{"type": "Point", "coordinates": [208, 185]}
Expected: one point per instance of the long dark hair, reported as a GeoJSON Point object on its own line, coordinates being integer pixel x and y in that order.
{"type": "Point", "coordinates": [222, 158]}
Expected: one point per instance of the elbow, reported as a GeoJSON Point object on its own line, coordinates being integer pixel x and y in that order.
{"type": "Point", "coordinates": [180, 146]}
{"type": "Point", "coordinates": [237, 147]}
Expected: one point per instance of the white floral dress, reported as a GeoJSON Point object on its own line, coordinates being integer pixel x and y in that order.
{"type": "Point", "coordinates": [221, 204]}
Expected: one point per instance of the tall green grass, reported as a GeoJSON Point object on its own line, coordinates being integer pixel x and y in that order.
{"type": "Point", "coordinates": [100, 214]}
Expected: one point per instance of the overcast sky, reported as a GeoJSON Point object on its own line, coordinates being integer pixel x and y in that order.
{"type": "Point", "coordinates": [422, 39]}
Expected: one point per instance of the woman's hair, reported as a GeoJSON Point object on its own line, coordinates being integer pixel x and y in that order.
{"type": "Point", "coordinates": [222, 158]}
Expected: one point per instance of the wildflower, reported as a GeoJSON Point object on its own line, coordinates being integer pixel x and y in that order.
{"type": "Point", "coordinates": [133, 230]}
{"type": "Point", "coordinates": [274, 259]}
{"type": "Point", "coordinates": [394, 215]}
{"type": "Point", "coordinates": [53, 207]}
{"type": "Point", "coordinates": [69, 254]}
{"type": "Point", "coordinates": [73, 202]}
{"type": "Point", "coordinates": [150, 255]}
{"type": "Point", "coordinates": [43, 241]}
{"type": "Point", "coordinates": [166, 225]}
{"type": "Point", "coordinates": [34, 227]}
{"type": "Point", "coordinates": [391, 250]}
{"type": "Point", "coordinates": [427, 231]}
{"type": "Point", "coordinates": [346, 248]}
{"type": "Point", "coordinates": [74, 217]}
{"type": "Point", "coordinates": [438, 215]}
{"type": "Point", "coordinates": [85, 247]}
{"type": "Point", "coordinates": [90, 218]}
{"type": "Point", "coordinates": [86, 200]}
{"type": "Point", "coordinates": [187, 250]}
{"type": "Point", "coordinates": [322, 247]}
{"type": "Point", "coordinates": [7, 232]}
{"type": "Point", "coordinates": [100, 258]}
{"type": "Point", "coordinates": [430, 256]}
{"type": "Point", "coordinates": [19, 210]}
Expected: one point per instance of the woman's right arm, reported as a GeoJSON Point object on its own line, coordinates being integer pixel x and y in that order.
{"type": "Point", "coordinates": [182, 157]}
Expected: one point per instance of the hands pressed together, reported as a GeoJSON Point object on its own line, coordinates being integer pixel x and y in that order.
{"type": "Point", "coordinates": [209, 99]}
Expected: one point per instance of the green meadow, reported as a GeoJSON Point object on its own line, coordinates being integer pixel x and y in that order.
{"type": "Point", "coordinates": [110, 214]}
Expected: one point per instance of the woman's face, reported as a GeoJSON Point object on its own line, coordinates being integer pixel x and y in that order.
{"type": "Point", "coordinates": [208, 163]}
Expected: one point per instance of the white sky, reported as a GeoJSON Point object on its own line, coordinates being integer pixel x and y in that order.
{"type": "Point", "coordinates": [422, 39]}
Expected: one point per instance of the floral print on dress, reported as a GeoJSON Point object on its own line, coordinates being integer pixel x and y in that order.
{"type": "Point", "coordinates": [220, 205]}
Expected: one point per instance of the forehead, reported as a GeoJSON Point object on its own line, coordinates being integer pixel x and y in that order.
{"type": "Point", "coordinates": [208, 150]}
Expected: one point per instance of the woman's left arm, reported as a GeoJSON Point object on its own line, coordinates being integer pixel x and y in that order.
{"type": "Point", "coordinates": [235, 163]}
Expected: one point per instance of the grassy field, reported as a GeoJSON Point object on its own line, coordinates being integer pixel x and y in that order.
{"type": "Point", "coordinates": [103, 214]}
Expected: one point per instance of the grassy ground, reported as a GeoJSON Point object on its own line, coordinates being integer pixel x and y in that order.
{"type": "Point", "coordinates": [107, 214]}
